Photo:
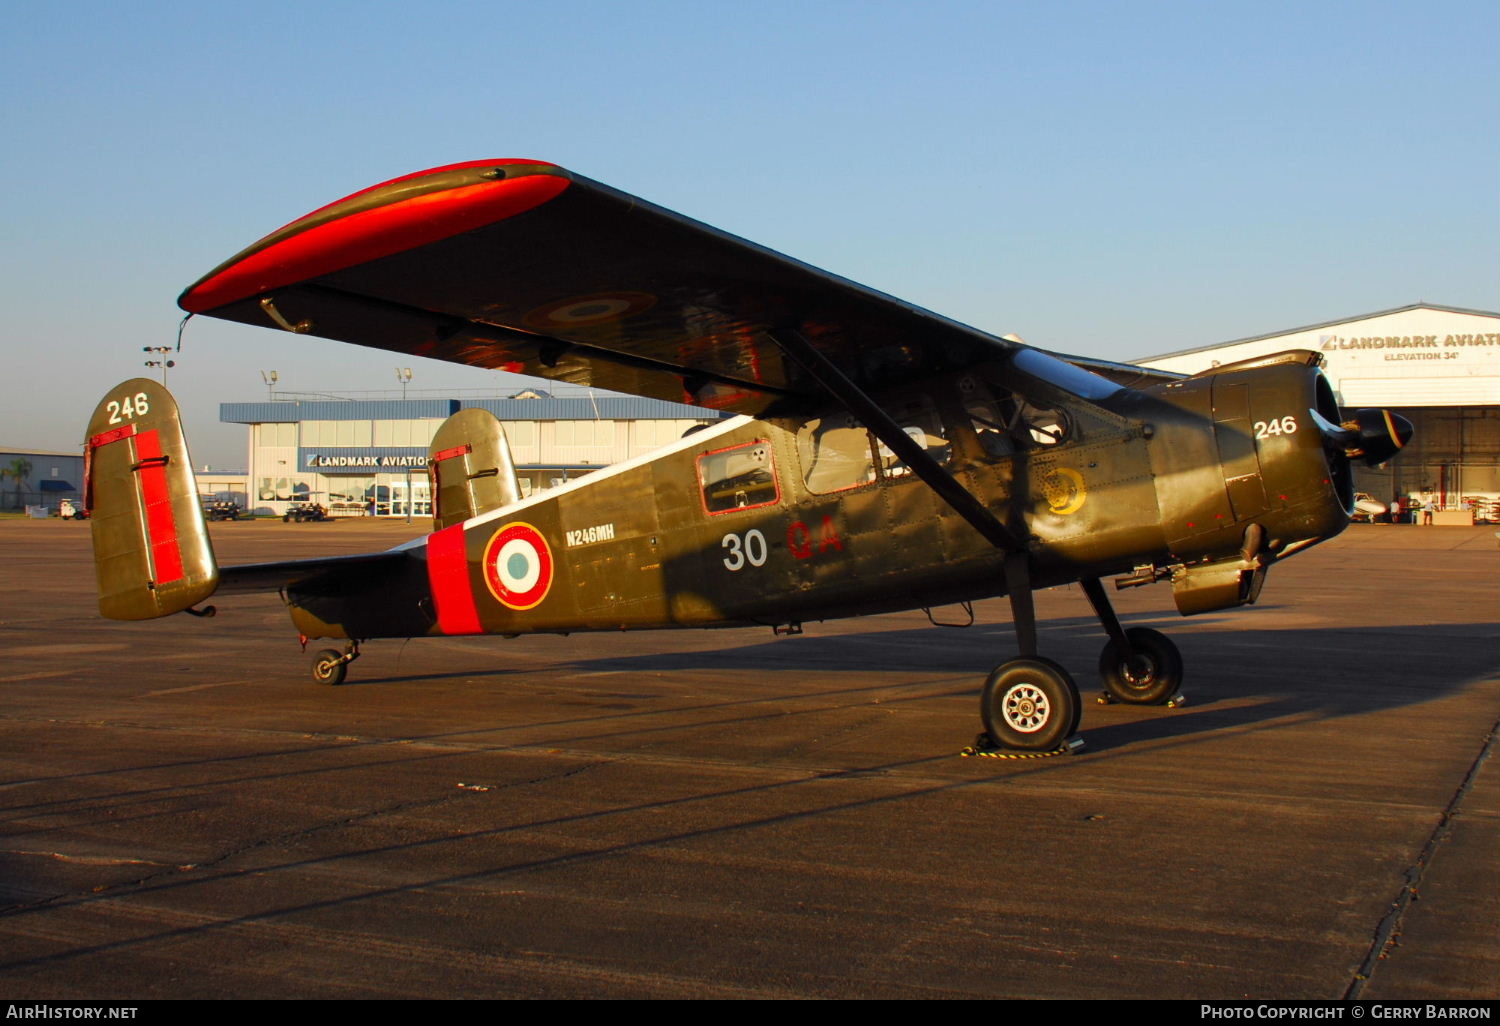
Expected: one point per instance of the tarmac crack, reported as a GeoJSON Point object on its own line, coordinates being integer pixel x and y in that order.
{"type": "Point", "coordinates": [460, 793]}
{"type": "Point", "coordinates": [84, 860]}
{"type": "Point", "coordinates": [1388, 931]}
{"type": "Point", "coordinates": [282, 839]}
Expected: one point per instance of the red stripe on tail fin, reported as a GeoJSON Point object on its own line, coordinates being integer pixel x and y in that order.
{"type": "Point", "coordinates": [161, 525]}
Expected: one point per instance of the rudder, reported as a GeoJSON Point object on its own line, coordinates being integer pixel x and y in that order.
{"type": "Point", "coordinates": [152, 556]}
{"type": "Point", "coordinates": [471, 467]}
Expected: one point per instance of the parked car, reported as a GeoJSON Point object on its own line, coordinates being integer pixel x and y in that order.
{"type": "Point", "coordinates": [222, 510]}
{"type": "Point", "coordinates": [70, 510]}
{"type": "Point", "coordinates": [305, 511]}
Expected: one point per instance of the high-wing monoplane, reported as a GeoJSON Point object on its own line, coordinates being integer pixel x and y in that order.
{"type": "Point", "coordinates": [887, 458]}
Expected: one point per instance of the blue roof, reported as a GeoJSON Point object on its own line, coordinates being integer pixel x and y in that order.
{"type": "Point", "coordinates": [572, 408]}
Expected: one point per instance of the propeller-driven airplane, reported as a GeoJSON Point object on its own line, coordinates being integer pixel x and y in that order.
{"type": "Point", "coordinates": [887, 458]}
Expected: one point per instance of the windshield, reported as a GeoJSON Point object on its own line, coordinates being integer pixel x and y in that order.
{"type": "Point", "coordinates": [1073, 379]}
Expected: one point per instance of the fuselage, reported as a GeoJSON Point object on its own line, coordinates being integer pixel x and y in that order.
{"type": "Point", "coordinates": [776, 522]}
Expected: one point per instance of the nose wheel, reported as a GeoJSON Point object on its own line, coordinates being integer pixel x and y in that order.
{"type": "Point", "coordinates": [1139, 666]}
{"type": "Point", "coordinates": [1147, 672]}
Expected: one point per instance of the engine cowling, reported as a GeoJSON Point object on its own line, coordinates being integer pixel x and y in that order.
{"type": "Point", "coordinates": [1253, 464]}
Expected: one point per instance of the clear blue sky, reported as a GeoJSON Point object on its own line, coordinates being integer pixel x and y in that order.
{"type": "Point", "coordinates": [1109, 178]}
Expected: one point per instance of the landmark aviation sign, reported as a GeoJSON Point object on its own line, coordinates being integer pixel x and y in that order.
{"type": "Point", "coordinates": [360, 460]}
{"type": "Point", "coordinates": [1412, 347]}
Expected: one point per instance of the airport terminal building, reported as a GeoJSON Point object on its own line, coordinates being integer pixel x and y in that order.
{"type": "Point", "coordinates": [1438, 366]}
{"type": "Point", "coordinates": [39, 477]}
{"type": "Point", "coordinates": [363, 457]}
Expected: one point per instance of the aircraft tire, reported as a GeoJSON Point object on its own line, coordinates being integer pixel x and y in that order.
{"type": "Point", "coordinates": [1158, 684]}
{"type": "Point", "coordinates": [330, 667]}
{"type": "Point", "coordinates": [1030, 704]}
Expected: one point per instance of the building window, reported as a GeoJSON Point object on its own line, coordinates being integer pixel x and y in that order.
{"type": "Point", "coordinates": [520, 432]}
{"type": "Point", "coordinates": [270, 436]}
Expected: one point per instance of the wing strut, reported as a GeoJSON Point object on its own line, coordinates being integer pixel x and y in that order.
{"type": "Point", "coordinates": [1022, 609]}
{"type": "Point", "coordinates": [854, 399]}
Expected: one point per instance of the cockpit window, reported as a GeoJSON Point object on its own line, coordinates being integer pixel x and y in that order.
{"type": "Point", "coordinates": [1003, 421]}
{"type": "Point", "coordinates": [1042, 426]}
{"type": "Point", "coordinates": [990, 416]}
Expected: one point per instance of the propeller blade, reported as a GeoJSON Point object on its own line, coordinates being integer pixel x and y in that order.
{"type": "Point", "coordinates": [1335, 435]}
{"type": "Point", "coordinates": [1380, 435]}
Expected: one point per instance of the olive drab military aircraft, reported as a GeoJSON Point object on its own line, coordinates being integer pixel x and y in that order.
{"type": "Point", "coordinates": [885, 458]}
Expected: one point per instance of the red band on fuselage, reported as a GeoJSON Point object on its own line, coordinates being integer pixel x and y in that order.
{"type": "Point", "coordinates": [371, 234]}
{"type": "Point", "coordinates": [156, 500]}
{"type": "Point", "coordinates": [448, 577]}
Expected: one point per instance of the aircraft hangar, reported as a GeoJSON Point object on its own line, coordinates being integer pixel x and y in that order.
{"type": "Point", "coordinates": [1437, 366]}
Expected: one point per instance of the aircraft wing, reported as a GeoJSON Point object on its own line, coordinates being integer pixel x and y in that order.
{"type": "Point", "coordinates": [523, 266]}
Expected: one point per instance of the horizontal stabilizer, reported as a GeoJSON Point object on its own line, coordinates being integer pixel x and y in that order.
{"type": "Point", "coordinates": [151, 551]}
{"type": "Point", "coordinates": [253, 577]}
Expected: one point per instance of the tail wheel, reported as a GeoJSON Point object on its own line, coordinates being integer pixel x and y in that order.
{"type": "Point", "coordinates": [329, 667]}
{"type": "Point", "coordinates": [1150, 674]}
{"type": "Point", "coordinates": [1030, 704]}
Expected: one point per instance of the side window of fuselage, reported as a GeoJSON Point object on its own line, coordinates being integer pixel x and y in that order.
{"type": "Point", "coordinates": [919, 419]}
{"type": "Point", "coordinates": [740, 477]}
{"type": "Point", "coordinates": [836, 453]}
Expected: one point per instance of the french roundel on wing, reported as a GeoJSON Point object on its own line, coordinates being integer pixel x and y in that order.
{"type": "Point", "coordinates": [584, 311]}
{"type": "Point", "coordinates": [518, 566]}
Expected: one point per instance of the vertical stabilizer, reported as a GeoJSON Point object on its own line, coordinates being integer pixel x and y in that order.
{"type": "Point", "coordinates": [151, 550]}
{"type": "Point", "coordinates": [472, 472]}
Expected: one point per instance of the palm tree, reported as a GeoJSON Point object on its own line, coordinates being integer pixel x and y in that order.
{"type": "Point", "coordinates": [19, 470]}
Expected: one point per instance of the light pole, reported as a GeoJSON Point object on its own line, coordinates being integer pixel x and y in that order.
{"type": "Point", "coordinates": [403, 375]}
{"type": "Point", "coordinates": [163, 363]}
{"type": "Point", "coordinates": [270, 378]}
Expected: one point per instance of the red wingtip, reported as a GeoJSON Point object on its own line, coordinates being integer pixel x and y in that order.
{"type": "Point", "coordinates": [375, 228]}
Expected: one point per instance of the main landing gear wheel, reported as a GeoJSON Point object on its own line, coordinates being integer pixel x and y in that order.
{"type": "Point", "coordinates": [1151, 674]}
{"type": "Point", "coordinates": [1030, 704]}
{"type": "Point", "coordinates": [330, 666]}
